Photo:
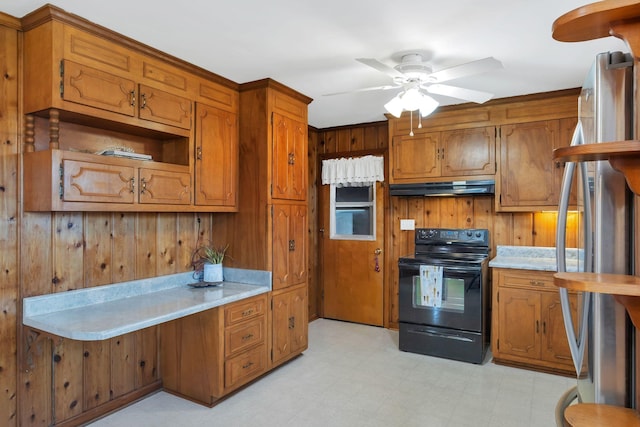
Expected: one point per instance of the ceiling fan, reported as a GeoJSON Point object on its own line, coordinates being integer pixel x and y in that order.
{"type": "Point", "coordinates": [417, 79]}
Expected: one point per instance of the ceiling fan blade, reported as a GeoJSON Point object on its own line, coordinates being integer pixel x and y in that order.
{"type": "Point", "coordinates": [374, 63]}
{"type": "Point", "coordinates": [365, 89]}
{"type": "Point", "coordinates": [459, 92]}
{"type": "Point", "coordinates": [463, 70]}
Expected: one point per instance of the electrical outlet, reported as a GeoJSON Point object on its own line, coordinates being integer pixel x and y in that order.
{"type": "Point", "coordinates": [407, 224]}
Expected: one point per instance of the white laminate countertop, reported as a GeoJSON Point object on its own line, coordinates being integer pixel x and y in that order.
{"type": "Point", "coordinates": [533, 258]}
{"type": "Point", "coordinates": [104, 312]}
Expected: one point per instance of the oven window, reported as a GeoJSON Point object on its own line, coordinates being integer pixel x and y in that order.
{"type": "Point", "coordinates": [353, 212]}
{"type": "Point", "coordinates": [452, 295]}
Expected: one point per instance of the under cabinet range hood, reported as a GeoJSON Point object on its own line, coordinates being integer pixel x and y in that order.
{"type": "Point", "coordinates": [451, 188]}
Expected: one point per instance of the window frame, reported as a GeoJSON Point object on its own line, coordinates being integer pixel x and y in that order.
{"type": "Point", "coordinates": [371, 204]}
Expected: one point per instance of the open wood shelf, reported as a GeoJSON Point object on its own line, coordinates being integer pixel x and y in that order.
{"type": "Point", "coordinates": [624, 156]}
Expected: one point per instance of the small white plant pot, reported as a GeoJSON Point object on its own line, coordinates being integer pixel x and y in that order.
{"type": "Point", "coordinates": [212, 273]}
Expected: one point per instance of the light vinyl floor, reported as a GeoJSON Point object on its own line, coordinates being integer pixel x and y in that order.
{"type": "Point", "coordinates": [354, 375]}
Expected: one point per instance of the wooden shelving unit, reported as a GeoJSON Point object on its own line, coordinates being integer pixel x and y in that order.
{"type": "Point", "coordinates": [618, 18]}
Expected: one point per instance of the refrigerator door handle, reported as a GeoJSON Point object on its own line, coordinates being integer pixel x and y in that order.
{"type": "Point", "coordinates": [577, 344]}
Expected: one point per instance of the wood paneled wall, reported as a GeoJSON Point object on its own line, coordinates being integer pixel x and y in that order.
{"type": "Point", "coordinates": [9, 219]}
{"type": "Point", "coordinates": [517, 229]}
{"type": "Point", "coordinates": [65, 251]}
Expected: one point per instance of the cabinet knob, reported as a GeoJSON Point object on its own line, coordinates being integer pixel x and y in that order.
{"type": "Point", "coordinates": [143, 102]}
{"type": "Point", "coordinates": [292, 159]}
{"type": "Point", "coordinates": [132, 98]}
{"type": "Point", "coordinates": [143, 186]}
{"type": "Point", "coordinates": [292, 245]}
{"type": "Point", "coordinates": [132, 185]}
{"type": "Point", "coordinates": [199, 153]}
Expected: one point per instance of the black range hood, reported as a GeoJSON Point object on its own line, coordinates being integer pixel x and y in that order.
{"type": "Point", "coordinates": [451, 188]}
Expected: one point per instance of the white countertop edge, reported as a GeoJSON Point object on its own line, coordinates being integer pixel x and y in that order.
{"type": "Point", "coordinates": [56, 323]}
{"type": "Point", "coordinates": [533, 258]}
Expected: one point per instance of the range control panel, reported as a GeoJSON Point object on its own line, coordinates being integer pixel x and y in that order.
{"type": "Point", "coordinates": [452, 236]}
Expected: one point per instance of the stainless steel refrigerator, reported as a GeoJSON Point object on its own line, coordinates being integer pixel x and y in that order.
{"type": "Point", "coordinates": [602, 347]}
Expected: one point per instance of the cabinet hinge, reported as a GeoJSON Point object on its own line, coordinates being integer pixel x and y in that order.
{"type": "Point", "coordinates": [61, 79]}
{"type": "Point", "coordinates": [61, 182]}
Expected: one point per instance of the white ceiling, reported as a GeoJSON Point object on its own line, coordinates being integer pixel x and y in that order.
{"type": "Point", "coordinates": [311, 46]}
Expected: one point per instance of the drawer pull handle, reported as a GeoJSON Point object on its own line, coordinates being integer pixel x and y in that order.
{"type": "Point", "coordinates": [247, 337]}
{"type": "Point", "coordinates": [536, 282]}
{"type": "Point", "coordinates": [247, 313]}
{"type": "Point", "coordinates": [248, 365]}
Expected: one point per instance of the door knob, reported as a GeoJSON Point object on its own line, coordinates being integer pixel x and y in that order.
{"type": "Point", "coordinates": [378, 251]}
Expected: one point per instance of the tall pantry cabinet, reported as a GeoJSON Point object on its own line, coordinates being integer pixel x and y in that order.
{"type": "Point", "coordinates": [269, 231]}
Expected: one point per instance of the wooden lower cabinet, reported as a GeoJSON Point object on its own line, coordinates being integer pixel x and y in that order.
{"type": "Point", "coordinates": [290, 323]}
{"type": "Point", "coordinates": [527, 322]}
{"type": "Point", "coordinates": [209, 354]}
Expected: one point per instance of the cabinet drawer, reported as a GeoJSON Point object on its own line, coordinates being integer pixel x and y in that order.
{"type": "Point", "coordinates": [532, 280]}
{"type": "Point", "coordinates": [243, 336]}
{"type": "Point", "coordinates": [246, 310]}
{"type": "Point", "coordinates": [244, 367]}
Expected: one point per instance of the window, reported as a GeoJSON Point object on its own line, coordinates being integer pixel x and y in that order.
{"type": "Point", "coordinates": [353, 212]}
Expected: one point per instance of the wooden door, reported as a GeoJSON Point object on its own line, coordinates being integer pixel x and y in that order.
{"type": "Point", "coordinates": [414, 158]}
{"type": "Point", "coordinates": [352, 285]}
{"type": "Point", "coordinates": [289, 247]}
{"type": "Point", "coordinates": [555, 346]}
{"type": "Point", "coordinates": [164, 187]}
{"type": "Point", "coordinates": [468, 152]}
{"type": "Point", "coordinates": [289, 159]}
{"type": "Point", "coordinates": [527, 177]}
{"type": "Point", "coordinates": [519, 319]}
{"type": "Point", "coordinates": [95, 88]}
{"type": "Point", "coordinates": [162, 107]}
{"type": "Point", "coordinates": [96, 182]}
{"type": "Point", "coordinates": [216, 163]}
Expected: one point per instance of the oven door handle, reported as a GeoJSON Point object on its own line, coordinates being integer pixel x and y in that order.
{"type": "Point", "coordinates": [432, 333]}
{"type": "Point", "coordinates": [416, 268]}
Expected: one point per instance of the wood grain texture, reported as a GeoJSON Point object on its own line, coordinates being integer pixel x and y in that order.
{"type": "Point", "coordinates": [600, 415]}
{"type": "Point", "coordinates": [9, 222]}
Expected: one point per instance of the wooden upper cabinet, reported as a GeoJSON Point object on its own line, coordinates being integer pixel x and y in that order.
{"type": "Point", "coordinates": [289, 245]}
{"type": "Point", "coordinates": [468, 152]}
{"type": "Point", "coordinates": [58, 180]}
{"type": "Point", "coordinates": [289, 148]}
{"type": "Point", "coordinates": [452, 154]}
{"type": "Point", "coordinates": [216, 163]}
{"type": "Point", "coordinates": [90, 86]}
{"type": "Point", "coordinates": [529, 177]}
{"type": "Point", "coordinates": [414, 158]}
{"type": "Point", "coordinates": [163, 107]}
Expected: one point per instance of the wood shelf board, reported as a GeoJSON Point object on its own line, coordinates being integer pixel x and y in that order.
{"type": "Point", "coordinates": [613, 284]}
{"type": "Point", "coordinates": [600, 151]}
{"type": "Point", "coordinates": [595, 20]}
{"type": "Point", "coordinates": [624, 156]}
{"type": "Point", "coordinates": [625, 288]}
{"type": "Point", "coordinates": [599, 415]}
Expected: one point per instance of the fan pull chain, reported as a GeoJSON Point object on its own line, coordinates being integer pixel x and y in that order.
{"type": "Point", "coordinates": [419, 120]}
{"type": "Point", "coordinates": [411, 122]}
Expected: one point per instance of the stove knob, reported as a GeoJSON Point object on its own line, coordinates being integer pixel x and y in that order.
{"type": "Point", "coordinates": [469, 233]}
{"type": "Point", "coordinates": [478, 234]}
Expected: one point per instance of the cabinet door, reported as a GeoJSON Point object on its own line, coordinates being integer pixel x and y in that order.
{"type": "Point", "coordinates": [298, 321]}
{"type": "Point", "coordinates": [519, 332]}
{"type": "Point", "coordinates": [555, 346]}
{"type": "Point", "coordinates": [290, 323]}
{"type": "Point", "coordinates": [468, 152]}
{"type": "Point", "coordinates": [289, 169]}
{"type": "Point", "coordinates": [94, 182]}
{"type": "Point", "coordinates": [89, 86]}
{"type": "Point", "coordinates": [414, 158]}
{"type": "Point", "coordinates": [216, 165]}
{"type": "Point", "coordinates": [289, 245]}
{"type": "Point", "coordinates": [527, 176]}
{"type": "Point", "coordinates": [164, 187]}
{"type": "Point", "coordinates": [162, 107]}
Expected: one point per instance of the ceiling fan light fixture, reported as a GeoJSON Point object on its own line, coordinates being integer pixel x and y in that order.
{"type": "Point", "coordinates": [427, 105]}
{"type": "Point", "coordinates": [394, 106]}
{"type": "Point", "coordinates": [411, 99]}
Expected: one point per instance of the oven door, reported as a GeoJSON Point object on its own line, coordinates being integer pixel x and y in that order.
{"type": "Point", "coordinates": [461, 306]}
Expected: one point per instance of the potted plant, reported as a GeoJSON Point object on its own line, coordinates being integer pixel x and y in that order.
{"type": "Point", "coordinates": [208, 258]}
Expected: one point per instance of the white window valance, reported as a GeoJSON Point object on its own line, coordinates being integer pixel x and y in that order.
{"type": "Point", "coordinates": [353, 172]}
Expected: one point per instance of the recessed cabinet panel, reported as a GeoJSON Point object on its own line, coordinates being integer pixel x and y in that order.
{"type": "Point", "coordinates": [95, 182]}
{"type": "Point", "coordinates": [164, 187]}
{"type": "Point", "coordinates": [289, 158]}
{"type": "Point", "coordinates": [216, 160]}
{"type": "Point", "coordinates": [163, 107]}
{"type": "Point", "coordinates": [415, 157]}
{"type": "Point", "coordinates": [468, 152]}
{"type": "Point", "coordinates": [89, 86]}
